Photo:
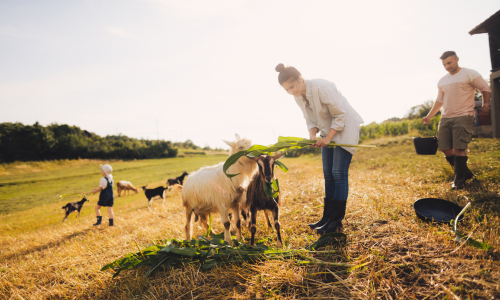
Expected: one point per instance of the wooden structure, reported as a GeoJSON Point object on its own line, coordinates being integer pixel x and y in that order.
{"type": "Point", "coordinates": [492, 27]}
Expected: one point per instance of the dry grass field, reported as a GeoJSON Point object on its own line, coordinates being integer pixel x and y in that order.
{"type": "Point", "coordinates": [406, 257]}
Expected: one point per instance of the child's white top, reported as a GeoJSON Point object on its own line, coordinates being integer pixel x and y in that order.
{"type": "Point", "coordinates": [103, 183]}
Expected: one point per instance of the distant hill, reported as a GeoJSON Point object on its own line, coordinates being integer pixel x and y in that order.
{"type": "Point", "coordinates": [20, 142]}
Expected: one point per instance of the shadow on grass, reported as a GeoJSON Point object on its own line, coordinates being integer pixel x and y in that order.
{"type": "Point", "coordinates": [48, 245]}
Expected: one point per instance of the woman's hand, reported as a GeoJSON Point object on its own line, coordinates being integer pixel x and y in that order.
{"type": "Point", "coordinates": [322, 142]}
{"type": "Point", "coordinates": [96, 190]}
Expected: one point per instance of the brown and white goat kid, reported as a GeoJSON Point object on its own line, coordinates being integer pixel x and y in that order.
{"type": "Point", "coordinates": [256, 198]}
{"type": "Point", "coordinates": [125, 186]}
{"type": "Point", "coordinates": [209, 190]}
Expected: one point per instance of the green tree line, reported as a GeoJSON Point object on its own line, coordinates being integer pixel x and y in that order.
{"type": "Point", "coordinates": [20, 142]}
{"type": "Point", "coordinates": [396, 126]}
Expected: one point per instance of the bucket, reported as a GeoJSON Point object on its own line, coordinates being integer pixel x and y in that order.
{"type": "Point", "coordinates": [437, 210]}
{"type": "Point", "coordinates": [426, 145]}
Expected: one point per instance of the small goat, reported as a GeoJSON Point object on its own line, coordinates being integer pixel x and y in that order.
{"type": "Point", "coordinates": [73, 206]}
{"type": "Point", "coordinates": [177, 180]}
{"type": "Point", "coordinates": [209, 190]}
{"type": "Point", "coordinates": [125, 186]}
{"type": "Point", "coordinates": [151, 193]}
{"type": "Point", "coordinates": [256, 198]}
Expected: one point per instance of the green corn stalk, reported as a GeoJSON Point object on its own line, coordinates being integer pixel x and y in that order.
{"type": "Point", "coordinates": [209, 253]}
{"type": "Point", "coordinates": [284, 143]}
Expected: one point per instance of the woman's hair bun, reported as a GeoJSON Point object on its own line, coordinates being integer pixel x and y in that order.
{"type": "Point", "coordinates": [280, 67]}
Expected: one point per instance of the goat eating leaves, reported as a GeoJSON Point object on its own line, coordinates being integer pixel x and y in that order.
{"type": "Point", "coordinates": [257, 199]}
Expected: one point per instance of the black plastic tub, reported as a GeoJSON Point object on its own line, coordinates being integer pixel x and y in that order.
{"type": "Point", "coordinates": [436, 210]}
{"type": "Point", "coordinates": [425, 146]}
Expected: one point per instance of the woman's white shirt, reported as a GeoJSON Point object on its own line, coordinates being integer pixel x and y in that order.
{"type": "Point", "coordinates": [329, 109]}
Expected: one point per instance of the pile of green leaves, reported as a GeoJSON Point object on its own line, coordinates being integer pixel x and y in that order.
{"type": "Point", "coordinates": [284, 143]}
{"type": "Point", "coordinates": [209, 253]}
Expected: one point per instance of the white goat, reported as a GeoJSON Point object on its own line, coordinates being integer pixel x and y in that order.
{"type": "Point", "coordinates": [209, 190]}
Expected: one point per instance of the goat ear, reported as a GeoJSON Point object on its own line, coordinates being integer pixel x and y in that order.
{"type": "Point", "coordinates": [237, 136]}
{"type": "Point", "coordinates": [231, 144]}
{"type": "Point", "coordinates": [255, 158]}
{"type": "Point", "coordinates": [278, 156]}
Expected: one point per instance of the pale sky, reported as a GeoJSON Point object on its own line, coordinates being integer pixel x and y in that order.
{"type": "Point", "coordinates": [204, 70]}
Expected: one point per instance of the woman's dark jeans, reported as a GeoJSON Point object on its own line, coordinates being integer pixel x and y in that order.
{"type": "Point", "coordinates": [336, 163]}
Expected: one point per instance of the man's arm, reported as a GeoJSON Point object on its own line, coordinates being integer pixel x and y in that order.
{"type": "Point", "coordinates": [486, 103]}
{"type": "Point", "coordinates": [435, 108]}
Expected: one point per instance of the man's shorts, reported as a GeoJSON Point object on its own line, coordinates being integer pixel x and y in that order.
{"type": "Point", "coordinates": [455, 133]}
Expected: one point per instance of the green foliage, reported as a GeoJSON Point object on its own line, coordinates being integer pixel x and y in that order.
{"type": "Point", "coordinates": [209, 253]}
{"type": "Point", "coordinates": [20, 142]}
{"type": "Point", "coordinates": [420, 111]}
{"type": "Point", "coordinates": [374, 130]}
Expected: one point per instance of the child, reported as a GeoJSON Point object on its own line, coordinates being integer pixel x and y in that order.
{"type": "Point", "coordinates": [106, 197]}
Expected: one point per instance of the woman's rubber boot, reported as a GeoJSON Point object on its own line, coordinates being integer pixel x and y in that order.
{"type": "Point", "coordinates": [336, 217]}
{"type": "Point", "coordinates": [468, 172]}
{"type": "Point", "coordinates": [111, 222]}
{"type": "Point", "coordinates": [327, 210]}
{"type": "Point", "coordinates": [460, 170]}
{"type": "Point", "coordinates": [99, 219]}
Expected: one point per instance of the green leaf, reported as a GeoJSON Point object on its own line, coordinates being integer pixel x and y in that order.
{"type": "Point", "coordinates": [268, 190]}
{"type": "Point", "coordinates": [472, 242]}
{"type": "Point", "coordinates": [232, 160]}
{"type": "Point", "coordinates": [335, 238]}
{"type": "Point", "coordinates": [281, 166]}
{"type": "Point", "coordinates": [209, 225]}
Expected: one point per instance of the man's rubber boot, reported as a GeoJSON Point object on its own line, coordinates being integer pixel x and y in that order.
{"type": "Point", "coordinates": [336, 217]}
{"type": "Point", "coordinates": [111, 222]}
{"type": "Point", "coordinates": [468, 172]}
{"type": "Point", "coordinates": [99, 219]}
{"type": "Point", "coordinates": [460, 170]}
{"type": "Point", "coordinates": [327, 210]}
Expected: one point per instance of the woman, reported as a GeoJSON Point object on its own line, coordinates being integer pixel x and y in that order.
{"type": "Point", "coordinates": [326, 111]}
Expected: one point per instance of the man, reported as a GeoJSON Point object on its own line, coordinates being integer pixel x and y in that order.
{"type": "Point", "coordinates": [456, 98]}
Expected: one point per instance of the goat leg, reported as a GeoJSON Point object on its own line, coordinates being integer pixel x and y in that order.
{"type": "Point", "coordinates": [204, 223]}
{"type": "Point", "coordinates": [277, 226]}
{"type": "Point", "coordinates": [189, 233]}
{"type": "Point", "coordinates": [236, 209]}
{"type": "Point", "coordinates": [253, 227]}
{"type": "Point", "coordinates": [267, 218]}
{"type": "Point", "coordinates": [227, 224]}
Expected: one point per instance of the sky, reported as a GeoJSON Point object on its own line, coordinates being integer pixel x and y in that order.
{"type": "Point", "coordinates": [204, 70]}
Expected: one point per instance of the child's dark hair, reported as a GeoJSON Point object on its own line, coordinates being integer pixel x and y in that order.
{"type": "Point", "coordinates": [287, 73]}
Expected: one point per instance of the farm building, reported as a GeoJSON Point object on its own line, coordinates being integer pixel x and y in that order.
{"type": "Point", "coordinates": [491, 124]}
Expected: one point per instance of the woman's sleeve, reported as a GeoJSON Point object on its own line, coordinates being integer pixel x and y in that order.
{"type": "Point", "coordinates": [333, 100]}
{"type": "Point", "coordinates": [310, 123]}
